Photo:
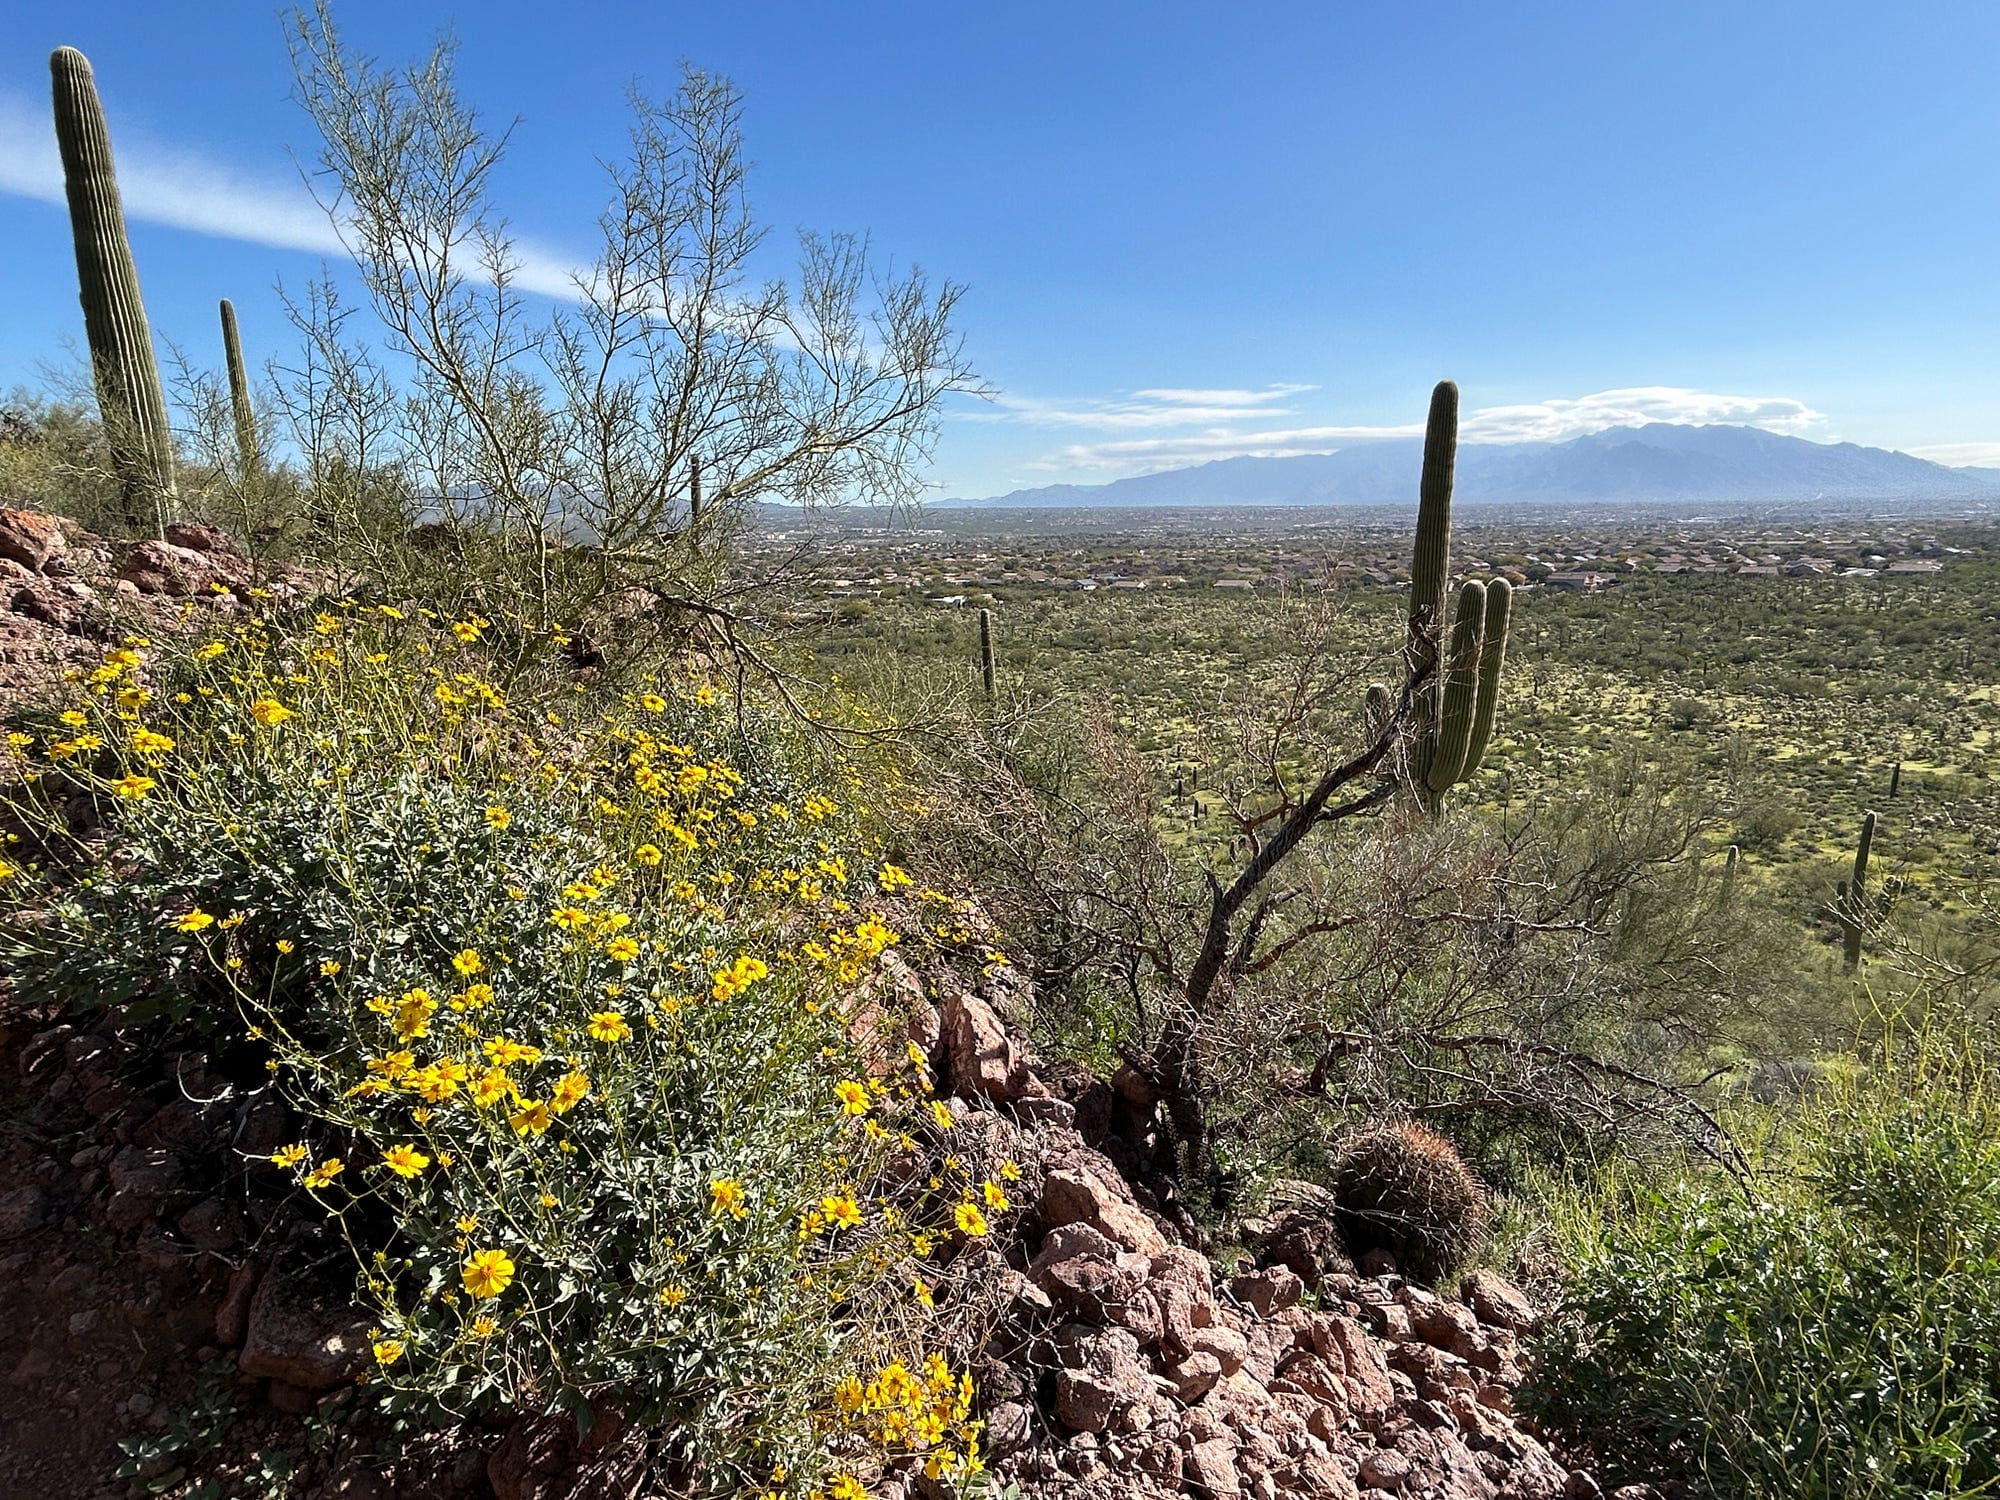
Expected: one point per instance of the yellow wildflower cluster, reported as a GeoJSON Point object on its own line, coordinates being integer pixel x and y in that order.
{"type": "Point", "coordinates": [927, 1410]}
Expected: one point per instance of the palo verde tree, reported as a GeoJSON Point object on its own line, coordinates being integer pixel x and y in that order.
{"type": "Point", "coordinates": [557, 432]}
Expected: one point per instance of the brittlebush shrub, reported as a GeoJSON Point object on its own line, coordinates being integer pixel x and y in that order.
{"type": "Point", "coordinates": [559, 981]}
{"type": "Point", "coordinates": [1834, 1331]}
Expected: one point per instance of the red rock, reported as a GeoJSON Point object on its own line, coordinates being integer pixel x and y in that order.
{"type": "Point", "coordinates": [196, 537]}
{"type": "Point", "coordinates": [1083, 1197]}
{"type": "Point", "coordinates": [30, 538]}
{"type": "Point", "coordinates": [1499, 1303]}
{"type": "Point", "coordinates": [1104, 1375]}
{"type": "Point", "coordinates": [294, 1337]}
{"type": "Point", "coordinates": [986, 1063]}
{"type": "Point", "coordinates": [1267, 1291]}
{"type": "Point", "coordinates": [232, 1317]}
{"type": "Point", "coordinates": [1369, 1393]}
{"type": "Point", "coordinates": [1209, 1469]}
{"type": "Point", "coordinates": [163, 568]}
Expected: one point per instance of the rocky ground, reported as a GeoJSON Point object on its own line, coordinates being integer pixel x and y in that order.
{"type": "Point", "coordinates": [156, 1294]}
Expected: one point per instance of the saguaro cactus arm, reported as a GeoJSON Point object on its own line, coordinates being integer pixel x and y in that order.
{"type": "Point", "coordinates": [1492, 658]}
{"type": "Point", "coordinates": [130, 398]}
{"type": "Point", "coordinates": [1460, 697]}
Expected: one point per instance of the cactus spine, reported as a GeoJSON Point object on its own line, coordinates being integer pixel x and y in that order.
{"type": "Point", "coordinates": [1452, 712]}
{"type": "Point", "coordinates": [127, 376]}
{"type": "Point", "coordinates": [1853, 895]}
{"type": "Point", "coordinates": [986, 654]}
{"type": "Point", "coordinates": [248, 448]}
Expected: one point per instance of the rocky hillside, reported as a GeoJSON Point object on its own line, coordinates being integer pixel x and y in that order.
{"type": "Point", "coordinates": [162, 1293]}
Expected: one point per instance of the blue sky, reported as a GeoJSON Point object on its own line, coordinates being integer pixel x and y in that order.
{"type": "Point", "coordinates": [1189, 230]}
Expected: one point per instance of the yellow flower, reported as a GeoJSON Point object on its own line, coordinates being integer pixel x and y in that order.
{"type": "Point", "coordinates": [623, 949]}
{"type": "Point", "coordinates": [75, 718]}
{"type": "Point", "coordinates": [726, 1196]}
{"type": "Point", "coordinates": [133, 788]}
{"type": "Point", "coordinates": [503, 1052]}
{"type": "Point", "coordinates": [498, 817]}
{"type": "Point", "coordinates": [288, 1156]}
{"type": "Point", "coordinates": [569, 918]}
{"type": "Point", "coordinates": [286, 946]}
{"type": "Point", "coordinates": [328, 967]}
{"type": "Point", "coordinates": [325, 1172]}
{"type": "Point", "coordinates": [467, 1223]}
{"type": "Point", "coordinates": [853, 1096]}
{"type": "Point", "coordinates": [846, 1486]}
{"type": "Point", "coordinates": [465, 630]}
{"type": "Point", "coordinates": [388, 1351]}
{"type": "Point", "coordinates": [608, 1026]}
{"type": "Point", "coordinates": [488, 1273]}
{"type": "Point", "coordinates": [484, 1327]}
{"type": "Point", "coordinates": [489, 1088]}
{"type": "Point", "coordinates": [269, 712]}
{"type": "Point", "coordinates": [1009, 1172]}
{"type": "Point", "coordinates": [146, 742]}
{"type": "Point", "coordinates": [412, 1014]}
{"type": "Point", "coordinates": [569, 1092]}
{"type": "Point", "coordinates": [995, 1198]}
{"type": "Point", "coordinates": [940, 1115]}
{"type": "Point", "coordinates": [532, 1118]}
{"type": "Point", "coordinates": [969, 1219]}
{"type": "Point", "coordinates": [673, 1296]}
{"type": "Point", "coordinates": [209, 652]}
{"type": "Point", "coordinates": [922, 1291]}
{"type": "Point", "coordinates": [405, 1160]}
{"type": "Point", "coordinates": [648, 854]}
{"type": "Point", "coordinates": [841, 1210]}
{"type": "Point", "coordinates": [653, 703]}
{"type": "Point", "coordinates": [194, 921]}
{"type": "Point", "coordinates": [468, 962]}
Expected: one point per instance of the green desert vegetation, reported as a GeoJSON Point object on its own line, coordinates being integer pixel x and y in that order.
{"type": "Point", "coordinates": [540, 824]}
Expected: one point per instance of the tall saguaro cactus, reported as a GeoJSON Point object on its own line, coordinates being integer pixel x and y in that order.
{"type": "Point", "coordinates": [248, 448]}
{"type": "Point", "coordinates": [1458, 677]}
{"type": "Point", "coordinates": [1853, 897]}
{"type": "Point", "coordinates": [129, 395]}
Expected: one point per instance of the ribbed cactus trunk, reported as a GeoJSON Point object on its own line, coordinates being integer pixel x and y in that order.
{"type": "Point", "coordinates": [129, 395]}
{"type": "Point", "coordinates": [986, 673]}
{"type": "Point", "coordinates": [249, 450]}
{"type": "Point", "coordinates": [1854, 898]}
{"type": "Point", "coordinates": [1430, 569]}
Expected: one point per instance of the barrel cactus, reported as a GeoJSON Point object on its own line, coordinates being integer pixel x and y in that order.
{"type": "Point", "coordinates": [1405, 1189]}
{"type": "Point", "coordinates": [130, 398]}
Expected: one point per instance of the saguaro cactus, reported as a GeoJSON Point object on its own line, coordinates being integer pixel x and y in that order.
{"type": "Point", "coordinates": [986, 653]}
{"type": "Point", "coordinates": [129, 395]}
{"type": "Point", "coordinates": [248, 448]}
{"type": "Point", "coordinates": [1458, 692]}
{"type": "Point", "coordinates": [1854, 895]}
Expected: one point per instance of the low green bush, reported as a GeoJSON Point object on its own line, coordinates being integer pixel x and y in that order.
{"type": "Point", "coordinates": [562, 985]}
{"type": "Point", "coordinates": [1833, 1331]}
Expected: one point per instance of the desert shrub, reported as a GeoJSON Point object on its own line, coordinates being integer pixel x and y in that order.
{"type": "Point", "coordinates": [1832, 1332]}
{"type": "Point", "coordinates": [1406, 1189]}
{"type": "Point", "coordinates": [559, 983]}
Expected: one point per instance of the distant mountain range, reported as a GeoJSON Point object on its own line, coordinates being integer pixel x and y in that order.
{"type": "Point", "coordinates": [1658, 463]}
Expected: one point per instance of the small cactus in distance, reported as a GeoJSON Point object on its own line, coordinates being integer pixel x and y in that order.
{"type": "Point", "coordinates": [1458, 695]}
{"type": "Point", "coordinates": [1406, 1190]}
{"type": "Point", "coordinates": [986, 673]}
{"type": "Point", "coordinates": [130, 398]}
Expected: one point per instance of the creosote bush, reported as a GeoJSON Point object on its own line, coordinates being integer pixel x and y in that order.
{"type": "Point", "coordinates": [1406, 1189]}
{"type": "Point", "coordinates": [560, 984]}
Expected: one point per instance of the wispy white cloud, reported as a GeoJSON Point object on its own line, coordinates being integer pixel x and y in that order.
{"type": "Point", "coordinates": [1568, 417]}
{"type": "Point", "coordinates": [1222, 429]}
{"type": "Point", "coordinates": [1960, 455]}
{"type": "Point", "coordinates": [184, 189]}
{"type": "Point", "coordinates": [1157, 407]}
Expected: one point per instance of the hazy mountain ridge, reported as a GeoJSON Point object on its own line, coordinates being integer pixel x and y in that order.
{"type": "Point", "coordinates": [1658, 462]}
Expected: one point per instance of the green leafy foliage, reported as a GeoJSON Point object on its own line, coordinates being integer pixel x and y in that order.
{"type": "Point", "coordinates": [1833, 1332]}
